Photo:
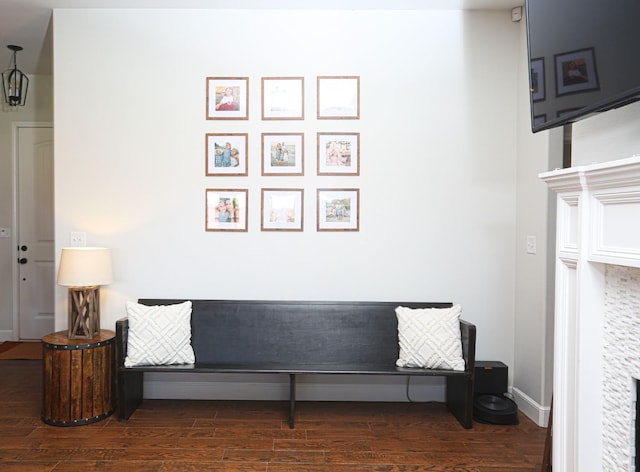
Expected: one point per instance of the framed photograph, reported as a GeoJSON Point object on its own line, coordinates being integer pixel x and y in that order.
{"type": "Point", "coordinates": [226, 209]}
{"type": "Point", "coordinates": [282, 209]}
{"type": "Point", "coordinates": [283, 98]}
{"type": "Point", "coordinates": [537, 79]}
{"type": "Point", "coordinates": [338, 209]}
{"type": "Point", "coordinates": [338, 98]}
{"type": "Point", "coordinates": [282, 154]}
{"type": "Point", "coordinates": [338, 153]}
{"type": "Point", "coordinates": [576, 72]}
{"type": "Point", "coordinates": [226, 153]}
{"type": "Point", "coordinates": [227, 98]}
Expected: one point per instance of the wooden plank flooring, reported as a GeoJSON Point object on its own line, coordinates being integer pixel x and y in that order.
{"type": "Point", "coordinates": [242, 436]}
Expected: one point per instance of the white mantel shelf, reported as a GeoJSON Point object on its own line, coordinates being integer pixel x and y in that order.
{"type": "Point", "coordinates": [598, 223]}
{"type": "Point", "coordinates": [611, 193]}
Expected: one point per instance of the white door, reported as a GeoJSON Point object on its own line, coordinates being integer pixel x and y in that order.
{"type": "Point", "coordinates": [35, 232]}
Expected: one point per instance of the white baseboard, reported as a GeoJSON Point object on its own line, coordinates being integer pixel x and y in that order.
{"type": "Point", "coordinates": [6, 335]}
{"type": "Point", "coordinates": [537, 413]}
{"type": "Point", "coordinates": [276, 387]}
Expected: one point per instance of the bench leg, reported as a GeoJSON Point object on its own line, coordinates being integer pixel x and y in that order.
{"type": "Point", "coordinates": [130, 385]}
{"type": "Point", "coordinates": [292, 401]}
{"type": "Point", "coordinates": [460, 399]}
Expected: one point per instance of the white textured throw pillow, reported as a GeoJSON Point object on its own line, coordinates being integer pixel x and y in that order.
{"type": "Point", "coordinates": [430, 338]}
{"type": "Point", "coordinates": [159, 334]}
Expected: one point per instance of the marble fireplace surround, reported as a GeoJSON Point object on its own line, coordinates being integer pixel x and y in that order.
{"type": "Point", "coordinates": [597, 315]}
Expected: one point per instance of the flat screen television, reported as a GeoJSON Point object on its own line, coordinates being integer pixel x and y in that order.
{"type": "Point", "coordinates": [584, 58]}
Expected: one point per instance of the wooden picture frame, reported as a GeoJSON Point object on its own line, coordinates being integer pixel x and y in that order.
{"type": "Point", "coordinates": [338, 209]}
{"type": "Point", "coordinates": [226, 209]}
{"type": "Point", "coordinates": [282, 209]}
{"type": "Point", "coordinates": [227, 98]}
{"type": "Point", "coordinates": [338, 97]}
{"type": "Point", "coordinates": [283, 98]}
{"type": "Point", "coordinates": [282, 153]}
{"type": "Point", "coordinates": [576, 72]}
{"type": "Point", "coordinates": [338, 154]}
{"type": "Point", "coordinates": [226, 154]}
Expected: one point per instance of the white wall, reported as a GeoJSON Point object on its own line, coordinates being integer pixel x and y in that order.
{"type": "Point", "coordinates": [437, 156]}
{"type": "Point", "coordinates": [534, 294]}
{"type": "Point", "coordinates": [38, 108]}
{"type": "Point", "coordinates": [608, 136]}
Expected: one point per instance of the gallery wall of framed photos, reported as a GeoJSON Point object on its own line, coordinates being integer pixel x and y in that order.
{"type": "Point", "coordinates": [282, 153]}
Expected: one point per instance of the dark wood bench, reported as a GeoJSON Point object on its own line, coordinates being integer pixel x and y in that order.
{"type": "Point", "coordinates": [297, 338]}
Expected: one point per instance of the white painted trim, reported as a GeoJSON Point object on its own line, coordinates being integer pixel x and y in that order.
{"type": "Point", "coordinates": [537, 413]}
{"type": "Point", "coordinates": [597, 224]}
{"type": "Point", "coordinates": [6, 335]}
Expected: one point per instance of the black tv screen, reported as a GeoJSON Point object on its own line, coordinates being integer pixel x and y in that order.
{"type": "Point", "coordinates": [584, 58]}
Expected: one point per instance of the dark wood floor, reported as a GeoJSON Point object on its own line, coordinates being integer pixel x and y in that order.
{"type": "Point", "coordinates": [172, 435]}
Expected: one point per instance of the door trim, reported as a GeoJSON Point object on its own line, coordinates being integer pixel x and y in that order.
{"type": "Point", "coordinates": [15, 128]}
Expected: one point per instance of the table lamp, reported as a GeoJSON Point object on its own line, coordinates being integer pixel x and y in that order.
{"type": "Point", "coordinates": [83, 270]}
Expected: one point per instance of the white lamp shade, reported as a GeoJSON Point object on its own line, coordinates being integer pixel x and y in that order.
{"type": "Point", "coordinates": [85, 266]}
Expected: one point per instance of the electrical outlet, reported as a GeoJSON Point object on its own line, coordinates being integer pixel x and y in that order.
{"type": "Point", "coordinates": [77, 239]}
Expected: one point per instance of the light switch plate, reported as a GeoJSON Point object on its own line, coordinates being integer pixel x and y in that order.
{"type": "Point", "coordinates": [531, 245]}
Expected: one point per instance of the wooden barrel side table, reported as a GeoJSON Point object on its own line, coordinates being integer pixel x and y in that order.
{"type": "Point", "coordinates": [78, 378]}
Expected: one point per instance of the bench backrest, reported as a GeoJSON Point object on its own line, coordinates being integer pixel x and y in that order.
{"type": "Point", "coordinates": [294, 332]}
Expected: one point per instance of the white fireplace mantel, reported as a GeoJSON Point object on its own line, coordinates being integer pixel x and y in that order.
{"type": "Point", "coordinates": [598, 224]}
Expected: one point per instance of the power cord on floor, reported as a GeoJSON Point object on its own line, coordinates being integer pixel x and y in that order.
{"type": "Point", "coordinates": [408, 394]}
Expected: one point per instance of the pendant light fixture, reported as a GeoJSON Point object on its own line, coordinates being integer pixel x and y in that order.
{"type": "Point", "coordinates": [14, 82]}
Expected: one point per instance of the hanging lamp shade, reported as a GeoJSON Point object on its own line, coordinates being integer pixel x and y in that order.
{"type": "Point", "coordinates": [14, 82]}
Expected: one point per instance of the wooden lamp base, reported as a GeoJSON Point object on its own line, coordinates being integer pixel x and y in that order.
{"type": "Point", "coordinates": [84, 312]}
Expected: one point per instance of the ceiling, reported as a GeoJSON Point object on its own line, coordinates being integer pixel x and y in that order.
{"type": "Point", "coordinates": [26, 23]}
